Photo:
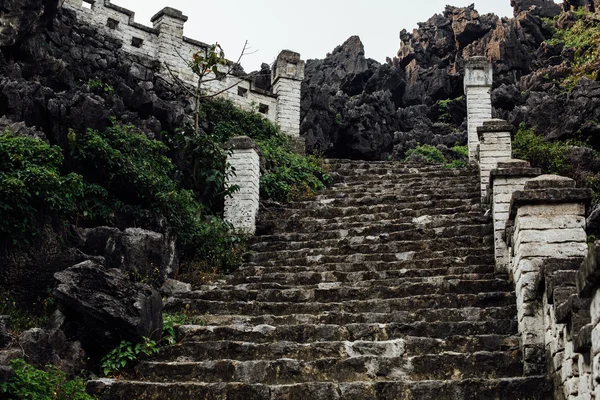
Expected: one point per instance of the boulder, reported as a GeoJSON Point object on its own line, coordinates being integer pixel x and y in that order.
{"type": "Point", "coordinates": [103, 307]}
{"type": "Point", "coordinates": [144, 255]}
{"type": "Point", "coordinates": [42, 347]}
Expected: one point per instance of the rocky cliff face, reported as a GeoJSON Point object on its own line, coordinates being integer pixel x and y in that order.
{"type": "Point", "coordinates": [357, 108]}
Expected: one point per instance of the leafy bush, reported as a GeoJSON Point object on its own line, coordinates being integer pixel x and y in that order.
{"type": "Point", "coordinates": [584, 38]}
{"type": "Point", "coordinates": [32, 187]}
{"type": "Point", "coordinates": [425, 153]}
{"type": "Point", "coordinates": [287, 175]}
{"type": "Point", "coordinates": [126, 353]}
{"type": "Point", "coordinates": [36, 384]}
{"type": "Point", "coordinates": [550, 156]}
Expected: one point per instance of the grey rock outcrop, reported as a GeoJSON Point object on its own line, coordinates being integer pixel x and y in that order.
{"type": "Point", "coordinates": [4, 336]}
{"type": "Point", "coordinates": [102, 307]}
{"type": "Point", "coordinates": [20, 18]}
{"type": "Point", "coordinates": [142, 254]}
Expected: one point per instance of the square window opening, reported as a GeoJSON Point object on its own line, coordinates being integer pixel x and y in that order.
{"type": "Point", "coordinates": [137, 42]}
{"type": "Point", "coordinates": [263, 108]}
{"type": "Point", "coordinates": [112, 23]}
{"type": "Point", "coordinates": [242, 92]}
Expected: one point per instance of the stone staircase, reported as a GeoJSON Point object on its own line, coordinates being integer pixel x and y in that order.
{"type": "Point", "coordinates": [383, 287]}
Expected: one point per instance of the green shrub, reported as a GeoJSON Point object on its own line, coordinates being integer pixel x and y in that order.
{"type": "Point", "coordinates": [32, 187]}
{"type": "Point", "coordinates": [36, 384]}
{"type": "Point", "coordinates": [290, 176]}
{"type": "Point", "coordinates": [125, 354]}
{"type": "Point", "coordinates": [425, 153]}
{"type": "Point", "coordinates": [550, 156]}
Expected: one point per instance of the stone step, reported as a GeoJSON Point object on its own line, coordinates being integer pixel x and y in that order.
{"type": "Point", "coordinates": [347, 198]}
{"type": "Point", "coordinates": [329, 273]}
{"type": "Point", "coordinates": [413, 205]}
{"type": "Point", "coordinates": [292, 222]}
{"type": "Point", "coordinates": [396, 240]}
{"type": "Point", "coordinates": [408, 346]}
{"type": "Point", "coordinates": [415, 188]}
{"type": "Point", "coordinates": [306, 257]}
{"type": "Point", "coordinates": [425, 301]}
{"type": "Point", "coordinates": [517, 388]}
{"type": "Point", "coordinates": [472, 314]}
{"type": "Point", "coordinates": [410, 267]}
{"type": "Point", "coordinates": [339, 293]}
{"type": "Point", "coordinates": [288, 371]}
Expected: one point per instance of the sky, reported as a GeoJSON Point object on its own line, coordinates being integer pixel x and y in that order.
{"type": "Point", "coordinates": [312, 28]}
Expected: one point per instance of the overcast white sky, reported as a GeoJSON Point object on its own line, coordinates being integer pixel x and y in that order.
{"type": "Point", "coordinates": [311, 27]}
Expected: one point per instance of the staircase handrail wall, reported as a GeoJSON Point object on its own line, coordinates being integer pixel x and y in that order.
{"type": "Point", "coordinates": [540, 242]}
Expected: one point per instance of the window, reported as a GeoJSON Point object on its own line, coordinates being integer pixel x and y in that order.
{"type": "Point", "coordinates": [242, 92]}
{"type": "Point", "coordinates": [112, 23]}
{"type": "Point", "coordinates": [137, 42]}
{"type": "Point", "coordinates": [263, 108]}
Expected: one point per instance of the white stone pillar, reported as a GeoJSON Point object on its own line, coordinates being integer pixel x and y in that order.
{"type": "Point", "coordinates": [507, 178]}
{"type": "Point", "coordinates": [169, 22]}
{"type": "Point", "coordinates": [494, 146]}
{"type": "Point", "coordinates": [478, 85]}
{"type": "Point", "coordinates": [287, 77]}
{"type": "Point", "coordinates": [549, 223]}
{"type": "Point", "coordinates": [242, 207]}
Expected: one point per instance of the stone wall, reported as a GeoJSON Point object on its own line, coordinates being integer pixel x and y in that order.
{"type": "Point", "coordinates": [165, 42]}
{"type": "Point", "coordinates": [541, 243]}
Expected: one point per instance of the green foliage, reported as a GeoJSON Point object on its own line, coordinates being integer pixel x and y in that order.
{"type": "Point", "coordinates": [287, 175]}
{"type": "Point", "coordinates": [550, 156]}
{"type": "Point", "coordinates": [21, 319]}
{"type": "Point", "coordinates": [290, 176]}
{"type": "Point", "coordinates": [443, 108]}
{"type": "Point", "coordinates": [36, 384]}
{"type": "Point", "coordinates": [97, 86]}
{"type": "Point", "coordinates": [456, 164]}
{"type": "Point", "coordinates": [584, 38]}
{"type": "Point", "coordinates": [425, 153]}
{"type": "Point", "coordinates": [32, 187]}
{"type": "Point", "coordinates": [125, 354]}
{"type": "Point", "coordinates": [461, 150]}
{"type": "Point", "coordinates": [338, 119]}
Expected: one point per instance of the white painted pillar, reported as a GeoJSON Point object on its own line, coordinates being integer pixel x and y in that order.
{"type": "Point", "coordinates": [494, 146]}
{"type": "Point", "coordinates": [287, 77]}
{"type": "Point", "coordinates": [478, 85]}
{"type": "Point", "coordinates": [169, 22]}
{"type": "Point", "coordinates": [241, 208]}
{"type": "Point", "coordinates": [549, 223]}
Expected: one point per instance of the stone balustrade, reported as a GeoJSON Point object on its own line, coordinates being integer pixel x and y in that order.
{"type": "Point", "coordinates": [541, 243]}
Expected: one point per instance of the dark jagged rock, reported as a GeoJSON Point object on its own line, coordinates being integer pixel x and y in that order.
{"type": "Point", "coordinates": [43, 347]}
{"type": "Point", "coordinates": [21, 18]}
{"type": "Point", "coordinates": [102, 307]}
{"type": "Point", "coordinates": [542, 8]}
{"type": "Point", "coordinates": [142, 254]}
{"type": "Point", "coordinates": [348, 103]}
{"type": "Point", "coordinates": [5, 338]}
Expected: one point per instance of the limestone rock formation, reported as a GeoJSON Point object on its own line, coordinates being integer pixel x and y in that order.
{"type": "Point", "coordinates": [20, 18]}
{"type": "Point", "coordinates": [102, 307]}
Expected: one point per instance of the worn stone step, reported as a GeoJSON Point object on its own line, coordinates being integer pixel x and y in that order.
{"type": "Point", "coordinates": [425, 301]}
{"type": "Point", "coordinates": [415, 188]}
{"type": "Point", "coordinates": [288, 223]}
{"type": "Point", "coordinates": [308, 333]}
{"type": "Point", "coordinates": [303, 258]}
{"type": "Point", "coordinates": [411, 207]}
{"type": "Point", "coordinates": [394, 240]}
{"type": "Point", "coordinates": [374, 232]}
{"type": "Point", "coordinates": [189, 350]}
{"type": "Point", "coordinates": [306, 276]}
{"type": "Point", "coordinates": [517, 388]}
{"type": "Point", "coordinates": [472, 314]}
{"type": "Point", "coordinates": [339, 198]}
{"type": "Point", "coordinates": [287, 371]}
{"type": "Point", "coordinates": [340, 293]}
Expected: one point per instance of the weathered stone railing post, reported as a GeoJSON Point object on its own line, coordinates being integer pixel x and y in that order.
{"type": "Point", "coordinates": [507, 178]}
{"type": "Point", "coordinates": [549, 223]}
{"type": "Point", "coordinates": [478, 84]}
{"type": "Point", "coordinates": [494, 147]}
{"type": "Point", "coordinates": [241, 208]}
{"type": "Point", "coordinates": [287, 77]}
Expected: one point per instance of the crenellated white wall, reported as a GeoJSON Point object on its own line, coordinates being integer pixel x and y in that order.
{"type": "Point", "coordinates": [164, 41]}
